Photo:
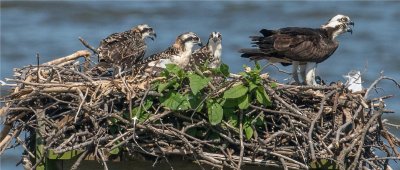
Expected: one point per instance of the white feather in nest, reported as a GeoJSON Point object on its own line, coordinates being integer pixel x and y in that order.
{"type": "Point", "coordinates": [354, 82]}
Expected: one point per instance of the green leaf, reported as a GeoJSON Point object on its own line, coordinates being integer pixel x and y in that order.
{"type": "Point", "coordinates": [224, 69]}
{"type": "Point", "coordinates": [143, 117]}
{"type": "Point", "coordinates": [171, 82]}
{"type": "Point", "coordinates": [115, 151]}
{"type": "Point", "coordinates": [192, 132]}
{"type": "Point", "coordinates": [114, 129]}
{"type": "Point", "coordinates": [163, 86]}
{"type": "Point", "coordinates": [173, 68]}
{"type": "Point", "coordinates": [137, 111]}
{"type": "Point", "coordinates": [229, 103]}
{"type": "Point", "coordinates": [196, 102]}
{"type": "Point", "coordinates": [177, 85]}
{"type": "Point", "coordinates": [244, 102]}
{"type": "Point", "coordinates": [248, 130]}
{"type": "Point", "coordinates": [215, 113]}
{"type": "Point", "coordinates": [175, 101]}
{"type": "Point", "coordinates": [164, 73]}
{"type": "Point", "coordinates": [214, 136]}
{"type": "Point", "coordinates": [262, 96]}
{"type": "Point", "coordinates": [252, 86]}
{"type": "Point", "coordinates": [260, 121]}
{"type": "Point", "coordinates": [257, 65]}
{"type": "Point", "coordinates": [231, 117]}
{"type": "Point", "coordinates": [112, 121]}
{"type": "Point", "coordinates": [141, 112]}
{"type": "Point", "coordinates": [148, 103]}
{"type": "Point", "coordinates": [235, 92]}
{"type": "Point", "coordinates": [273, 85]}
{"type": "Point", "coordinates": [197, 82]}
{"type": "Point", "coordinates": [244, 74]}
{"type": "Point", "coordinates": [323, 164]}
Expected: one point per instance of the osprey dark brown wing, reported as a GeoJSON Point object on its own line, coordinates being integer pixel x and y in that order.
{"type": "Point", "coordinates": [126, 48]}
{"type": "Point", "coordinates": [292, 44]}
{"type": "Point", "coordinates": [154, 62]}
{"type": "Point", "coordinates": [108, 45]}
{"type": "Point", "coordinates": [132, 53]}
{"type": "Point", "coordinates": [123, 49]}
{"type": "Point", "coordinates": [201, 56]}
{"type": "Point", "coordinates": [305, 44]}
{"type": "Point", "coordinates": [158, 56]}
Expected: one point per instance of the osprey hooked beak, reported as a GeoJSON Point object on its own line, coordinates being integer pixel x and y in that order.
{"type": "Point", "coordinates": [349, 28]}
{"type": "Point", "coordinates": [199, 43]}
{"type": "Point", "coordinates": [152, 35]}
{"type": "Point", "coordinates": [215, 39]}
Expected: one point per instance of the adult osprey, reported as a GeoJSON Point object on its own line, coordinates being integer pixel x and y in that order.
{"type": "Point", "coordinates": [210, 53]}
{"type": "Point", "coordinates": [179, 53]}
{"type": "Point", "coordinates": [299, 46]}
{"type": "Point", "coordinates": [126, 48]}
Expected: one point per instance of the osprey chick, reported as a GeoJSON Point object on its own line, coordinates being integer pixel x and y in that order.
{"type": "Point", "coordinates": [126, 48]}
{"type": "Point", "coordinates": [210, 53]}
{"type": "Point", "coordinates": [299, 46]}
{"type": "Point", "coordinates": [179, 53]}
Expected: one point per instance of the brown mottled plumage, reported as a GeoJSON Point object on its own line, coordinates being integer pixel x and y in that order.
{"type": "Point", "coordinates": [179, 53]}
{"type": "Point", "coordinates": [299, 46]}
{"type": "Point", "coordinates": [126, 48]}
{"type": "Point", "coordinates": [210, 53]}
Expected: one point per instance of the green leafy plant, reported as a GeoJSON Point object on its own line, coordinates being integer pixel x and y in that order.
{"type": "Point", "coordinates": [140, 112]}
{"type": "Point", "coordinates": [187, 90]}
{"type": "Point", "coordinates": [242, 94]}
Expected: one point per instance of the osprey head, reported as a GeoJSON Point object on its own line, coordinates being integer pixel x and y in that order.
{"type": "Point", "coordinates": [215, 37]}
{"type": "Point", "coordinates": [146, 31]}
{"type": "Point", "coordinates": [187, 41]}
{"type": "Point", "coordinates": [339, 24]}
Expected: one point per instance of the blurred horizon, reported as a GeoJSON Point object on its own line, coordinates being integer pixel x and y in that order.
{"type": "Point", "coordinates": [52, 29]}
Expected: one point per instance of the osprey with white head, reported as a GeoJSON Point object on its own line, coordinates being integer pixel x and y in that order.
{"type": "Point", "coordinates": [339, 24]}
{"type": "Point", "coordinates": [299, 46]}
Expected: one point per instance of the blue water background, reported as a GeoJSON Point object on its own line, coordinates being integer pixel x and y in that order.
{"type": "Point", "coordinates": [52, 30]}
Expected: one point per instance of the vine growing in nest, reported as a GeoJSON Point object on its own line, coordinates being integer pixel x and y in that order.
{"type": "Point", "coordinates": [186, 91]}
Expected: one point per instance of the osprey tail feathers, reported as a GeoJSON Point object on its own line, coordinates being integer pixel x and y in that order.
{"type": "Point", "coordinates": [267, 33]}
{"type": "Point", "coordinates": [257, 54]}
{"type": "Point", "coordinates": [253, 54]}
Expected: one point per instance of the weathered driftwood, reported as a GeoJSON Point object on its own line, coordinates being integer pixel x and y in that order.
{"type": "Point", "coordinates": [303, 126]}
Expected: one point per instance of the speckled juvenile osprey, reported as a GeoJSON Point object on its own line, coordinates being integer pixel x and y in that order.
{"type": "Point", "coordinates": [179, 53]}
{"type": "Point", "coordinates": [299, 46]}
{"type": "Point", "coordinates": [210, 53]}
{"type": "Point", "coordinates": [126, 48]}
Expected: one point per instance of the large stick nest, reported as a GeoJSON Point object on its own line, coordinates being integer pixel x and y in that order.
{"type": "Point", "coordinates": [264, 124]}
